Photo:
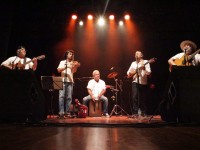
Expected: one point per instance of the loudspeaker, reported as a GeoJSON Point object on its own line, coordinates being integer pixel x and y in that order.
{"type": "Point", "coordinates": [21, 97]}
{"type": "Point", "coordinates": [183, 102]}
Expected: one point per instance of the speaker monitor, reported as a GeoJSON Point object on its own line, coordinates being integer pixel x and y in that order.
{"type": "Point", "coordinates": [184, 101]}
{"type": "Point", "coordinates": [21, 98]}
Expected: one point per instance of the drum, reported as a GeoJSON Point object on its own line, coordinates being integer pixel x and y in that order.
{"type": "Point", "coordinates": [95, 108]}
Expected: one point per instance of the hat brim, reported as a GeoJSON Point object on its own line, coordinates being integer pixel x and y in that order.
{"type": "Point", "coordinates": [187, 42]}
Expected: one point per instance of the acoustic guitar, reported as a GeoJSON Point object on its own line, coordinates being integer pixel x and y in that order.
{"type": "Point", "coordinates": [20, 66]}
{"type": "Point", "coordinates": [185, 60]}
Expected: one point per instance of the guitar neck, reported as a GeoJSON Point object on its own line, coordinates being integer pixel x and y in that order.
{"type": "Point", "coordinates": [28, 62]}
{"type": "Point", "coordinates": [192, 56]}
{"type": "Point", "coordinates": [38, 58]}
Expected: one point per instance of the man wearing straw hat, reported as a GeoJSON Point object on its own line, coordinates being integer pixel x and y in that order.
{"type": "Point", "coordinates": [188, 57]}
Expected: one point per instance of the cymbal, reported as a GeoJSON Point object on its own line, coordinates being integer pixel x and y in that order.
{"type": "Point", "coordinates": [112, 75]}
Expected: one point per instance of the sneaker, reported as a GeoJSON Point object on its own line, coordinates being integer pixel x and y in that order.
{"type": "Point", "coordinates": [67, 115]}
{"type": "Point", "coordinates": [106, 115]}
{"type": "Point", "coordinates": [61, 115]}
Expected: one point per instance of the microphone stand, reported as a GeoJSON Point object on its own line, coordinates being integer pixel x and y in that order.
{"type": "Point", "coordinates": [73, 102]}
{"type": "Point", "coordinates": [13, 63]}
{"type": "Point", "coordinates": [137, 92]}
{"type": "Point", "coordinates": [137, 86]}
{"type": "Point", "coordinates": [186, 60]}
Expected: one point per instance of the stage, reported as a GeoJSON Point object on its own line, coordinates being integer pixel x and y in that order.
{"type": "Point", "coordinates": [115, 121]}
{"type": "Point", "coordinates": [99, 133]}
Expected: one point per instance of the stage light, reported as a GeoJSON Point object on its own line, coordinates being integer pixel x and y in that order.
{"type": "Point", "coordinates": [74, 17]}
{"type": "Point", "coordinates": [101, 21]}
{"type": "Point", "coordinates": [90, 17]}
{"type": "Point", "coordinates": [81, 23]}
{"type": "Point", "coordinates": [127, 17]}
{"type": "Point", "coordinates": [121, 23]}
{"type": "Point", "coordinates": [111, 17]}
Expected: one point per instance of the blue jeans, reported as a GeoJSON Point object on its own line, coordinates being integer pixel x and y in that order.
{"type": "Point", "coordinates": [65, 98]}
{"type": "Point", "coordinates": [103, 98]}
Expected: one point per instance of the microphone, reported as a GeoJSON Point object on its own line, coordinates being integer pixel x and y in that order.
{"type": "Point", "coordinates": [112, 68]}
{"type": "Point", "coordinates": [185, 49]}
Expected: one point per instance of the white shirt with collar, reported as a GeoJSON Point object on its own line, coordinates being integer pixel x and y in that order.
{"type": "Point", "coordinates": [67, 73]}
{"type": "Point", "coordinates": [12, 61]}
{"type": "Point", "coordinates": [142, 73]}
{"type": "Point", "coordinates": [96, 87]}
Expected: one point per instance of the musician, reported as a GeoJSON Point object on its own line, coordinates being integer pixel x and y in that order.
{"type": "Point", "coordinates": [183, 59]}
{"type": "Point", "coordinates": [96, 89]}
{"type": "Point", "coordinates": [139, 70]}
{"type": "Point", "coordinates": [19, 61]}
{"type": "Point", "coordinates": [67, 68]}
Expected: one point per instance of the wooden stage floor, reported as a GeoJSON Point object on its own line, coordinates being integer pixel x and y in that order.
{"type": "Point", "coordinates": [100, 133]}
{"type": "Point", "coordinates": [104, 121]}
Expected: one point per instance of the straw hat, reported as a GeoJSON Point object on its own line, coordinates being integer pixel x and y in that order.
{"type": "Point", "coordinates": [190, 43]}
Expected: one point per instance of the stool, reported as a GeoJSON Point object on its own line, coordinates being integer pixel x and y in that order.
{"type": "Point", "coordinates": [95, 108]}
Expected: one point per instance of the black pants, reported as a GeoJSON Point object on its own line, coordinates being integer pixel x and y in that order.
{"type": "Point", "coordinates": [139, 93]}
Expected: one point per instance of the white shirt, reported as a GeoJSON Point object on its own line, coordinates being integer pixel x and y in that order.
{"type": "Point", "coordinates": [195, 61]}
{"type": "Point", "coordinates": [68, 71]}
{"type": "Point", "coordinates": [96, 87]}
{"type": "Point", "coordinates": [12, 61]}
{"type": "Point", "coordinates": [142, 73]}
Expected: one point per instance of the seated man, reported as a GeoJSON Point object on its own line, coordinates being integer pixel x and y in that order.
{"type": "Point", "coordinates": [96, 88]}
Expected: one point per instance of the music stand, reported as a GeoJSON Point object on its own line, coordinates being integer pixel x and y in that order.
{"type": "Point", "coordinates": [52, 83]}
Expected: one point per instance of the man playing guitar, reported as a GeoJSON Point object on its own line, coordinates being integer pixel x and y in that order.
{"type": "Point", "coordinates": [188, 57]}
{"type": "Point", "coordinates": [139, 70]}
{"type": "Point", "coordinates": [20, 62]}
